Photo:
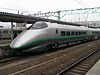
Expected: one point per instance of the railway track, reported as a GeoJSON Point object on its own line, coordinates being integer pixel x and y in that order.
{"type": "Point", "coordinates": [9, 67]}
{"type": "Point", "coordinates": [10, 60]}
{"type": "Point", "coordinates": [82, 66]}
{"type": "Point", "coordinates": [6, 60]}
{"type": "Point", "coordinates": [50, 63]}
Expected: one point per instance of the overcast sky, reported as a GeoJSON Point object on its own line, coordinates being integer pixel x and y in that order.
{"type": "Point", "coordinates": [47, 5]}
{"type": "Point", "coordinates": [34, 6]}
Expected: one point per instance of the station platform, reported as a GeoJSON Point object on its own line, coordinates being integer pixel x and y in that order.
{"type": "Point", "coordinates": [5, 42]}
{"type": "Point", "coordinates": [95, 70]}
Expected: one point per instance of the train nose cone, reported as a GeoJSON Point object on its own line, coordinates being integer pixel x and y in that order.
{"type": "Point", "coordinates": [26, 39]}
{"type": "Point", "coordinates": [20, 40]}
{"type": "Point", "coordinates": [16, 44]}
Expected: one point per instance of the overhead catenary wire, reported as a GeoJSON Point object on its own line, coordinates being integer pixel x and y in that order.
{"type": "Point", "coordinates": [84, 3]}
{"type": "Point", "coordinates": [79, 3]}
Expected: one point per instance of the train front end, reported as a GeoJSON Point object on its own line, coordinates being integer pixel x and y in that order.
{"type": "Point", "coordinates": [32, 37]}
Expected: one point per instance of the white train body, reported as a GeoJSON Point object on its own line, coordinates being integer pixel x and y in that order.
{"type": "Point", "coordinates": [46, 33]}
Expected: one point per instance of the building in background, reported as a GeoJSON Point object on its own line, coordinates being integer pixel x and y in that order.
{"type": "Point", "coordinates": [20, 25]}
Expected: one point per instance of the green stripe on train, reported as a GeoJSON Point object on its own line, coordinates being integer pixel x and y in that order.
{"type": "Point", "coordinates": [58, 38]}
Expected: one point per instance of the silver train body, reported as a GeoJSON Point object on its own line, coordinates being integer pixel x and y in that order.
{"type": "Point", "coordinates": [52, 34]}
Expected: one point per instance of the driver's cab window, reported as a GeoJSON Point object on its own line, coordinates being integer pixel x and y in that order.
{"type": "Point", "coordinates": [39, 25]}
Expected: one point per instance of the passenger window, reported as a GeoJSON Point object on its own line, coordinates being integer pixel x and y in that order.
{"type": "Point", "coordinates": [84, 33]}
{"type": "Point", "coordinates": [72, 33]}
{"type": "Point", "coordinates": [76, 33]}
{"type": "Point", "coordinates": [79, 33]}
{"type": "Point", "coordinates": [67, 33]}
{"type": "Point", "coordinates": [62, 33]}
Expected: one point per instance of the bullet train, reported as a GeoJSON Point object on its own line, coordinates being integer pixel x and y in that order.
{"type": "Point", "coordinates": [51, 35]}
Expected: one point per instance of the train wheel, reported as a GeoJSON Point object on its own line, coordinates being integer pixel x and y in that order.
{"type": "Point", "coordinates": [56, 46]}
{"type": "Point", "coordinates": [47, 48]}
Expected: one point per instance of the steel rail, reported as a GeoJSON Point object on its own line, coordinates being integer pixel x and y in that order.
{"type": "Point", "coordinates": [62, 71]}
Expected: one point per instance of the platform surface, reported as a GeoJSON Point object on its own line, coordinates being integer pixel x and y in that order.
{"type": "Point", "coordinates": [95, 70]}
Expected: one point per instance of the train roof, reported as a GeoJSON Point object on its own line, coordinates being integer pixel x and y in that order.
{"type": "Point", "coordinates": [70, 27]}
